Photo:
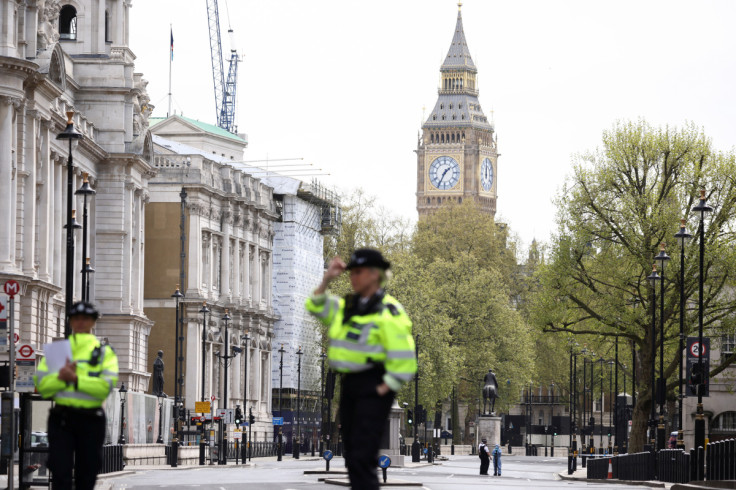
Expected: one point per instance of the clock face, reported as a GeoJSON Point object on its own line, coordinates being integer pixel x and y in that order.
{"type": "Point", "coordinates": [444, 173]}
{"type": "Point", "coordinates": [486, 174]}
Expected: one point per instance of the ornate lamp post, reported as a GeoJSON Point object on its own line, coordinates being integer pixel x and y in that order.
{"type": "Point", "coordinates": [226, 359]}
{"type": "Point", "coordinates": [281, 391]}
{"type": "Point", "coordinates": [85, 190]}
{"type": "Point", "coordinates": [246, 352]}
{"type": "Point", "coordinates": [72, 135]}
{"type": "Point", "coordinates": [177, 385]}
{"type": "Point", "coordinates": [661, 258]}
{"type": "Point", "coordinates": [298, 438]}
{"type": "Point", "coordinates": [653, 278]}
{"type": "Point", "coordinates": [551, 420]}
{"type": "Point", "coordinates": [610, 404]}
{"type": "Point", "coordinates": [682, 238]}
{"type": "Point", "coordinates": [203, 436]}
{"type": "Point", "coordinates": [122, 392]}
{"type": "Point", "coordinates": [160, 439]}
{"type": "Point", "coordinates": [322, 357]}
{"type": "Point", "coordinates": [701, 209]}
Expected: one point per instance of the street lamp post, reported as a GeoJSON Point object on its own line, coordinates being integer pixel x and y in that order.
{"type": "Point", "coordinates": [682, 237]}
{"type": "Point", "coordinates": [603, 398]}
{"type": "Point", "coordinates": [202, 438]}
{"type": "Point", "coordinates": [661, 258]}
{"type": "Point", "coordinates": [280, 446]}
{"type": "Point", "coordinates": [122, 392]}
{"type": "Point", "coordinates": [415, 450]}
{"type": "Point", "coordinates": [177, 387]}
{"type": "Point", "coordinates": [591, 437]}
{"type": "Point", "coordinates": [70, 134]}
{"type": "Point", "coordinates": [551, 420]}
{"type": "Point", "coordinates": [653, 278]}
{"type": "Point", "coordinates": [615, 401]}
{"type": "Point", "coordinates": [226, 359]}
{"type": "Point", "coordinates": [701, 209]}
{"type": "Point", "coordinates": [246, 353]}
{"type": "Point", "coordinates": [298, 438]}
{"type": "Point", "coordinates": [322, 357]}
{"type": "Point", "coordinates": [612, 397]}
{"type": "Point", "coordinates": [86, 191]}
{"type": "Point", "coordinates": [160, 439]}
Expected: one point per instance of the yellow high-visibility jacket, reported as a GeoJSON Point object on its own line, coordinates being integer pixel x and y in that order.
{"type": "Point", "coordinates": [97, 374]}
{"type": "Point", "coordinates": [378, 333]}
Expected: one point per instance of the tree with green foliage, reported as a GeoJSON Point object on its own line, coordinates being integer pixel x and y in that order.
{"type": "Point", "coordinates": [618, 205]}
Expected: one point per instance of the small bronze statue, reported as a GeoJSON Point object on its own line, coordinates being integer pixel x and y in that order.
{"type": "Point", "coordinates": [158, 375]}
{"type": "Point", "coordinates": [490, 391]}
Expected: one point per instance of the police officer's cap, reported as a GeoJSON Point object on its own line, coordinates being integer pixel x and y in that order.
{"type": "Point", "coordinates": [84, 308]}
{"type": "Point", "coordinates": [484, 440]}
{"type": "Point", "coordinates": [368, 257]}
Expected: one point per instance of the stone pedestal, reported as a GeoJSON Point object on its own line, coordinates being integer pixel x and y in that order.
{"type": "Point", "coordinates": [490, 428]}
{"type": "Point", "coordinates": [390, 444]}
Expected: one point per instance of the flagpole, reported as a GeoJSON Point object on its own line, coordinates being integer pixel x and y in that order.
{"type": "Point", "coordinates": [171, 57]}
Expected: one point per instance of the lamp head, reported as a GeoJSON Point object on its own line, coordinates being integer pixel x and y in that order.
{"type": "Point", "coordinates": [661, 258]}
{"type": "Point", "coordinates": [204, 308]}
{"type": "Point", "coordinates": [122, 390]}
{"type": "Point", "coordinates": [653, 278]}
{"type": "Point", "coordinates": [85, 189]}
{"type": "Point", "coordinates": [69, 132]}
{"type": "Point", "coordinates": [177, 293]}
{"type": "Point", "coordinates": [702, 207]}
{"type": "Point", "coordinates": [226, 316]}
{"type": "Point", "coordinates": [682, 235]}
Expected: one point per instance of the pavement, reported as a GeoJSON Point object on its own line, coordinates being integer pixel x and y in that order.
{"type": "Point", "coordinates": [582, 475]}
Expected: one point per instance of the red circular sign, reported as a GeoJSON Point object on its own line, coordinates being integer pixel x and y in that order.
{"type": "Point", "coordinates": [11, 287]}
{"type": "Point", "coordinates": [695, 349]}
{"type": "Point", "coordinates": [25, 350]}
{"type": "Point", "coordinates": [202, 418]}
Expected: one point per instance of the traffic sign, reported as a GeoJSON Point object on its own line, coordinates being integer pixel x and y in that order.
{"type": "Point", "coordinates": [384, 461]}
{"type": "Point", "coordinates": [237, 434]}
{"type": "Point", "coordinates": [278, 421]}
{"type": "Point", "coordinates": [3, 309]}
{"type": "Point", "coordinates": [16, 337]}
{"type": "Point", "coordinates": [213, 398]}
{"type": "Point", "coordinates": [327, 455]}
{"type": "Point", "coordinates": [202, 407]}
{"type": "Point", "coordinates": [11, 288]}
{"type": "Point", "coordinates": [226, 414]}
{"type": "Point", "coordinates": [26, 353]}
{"type": "Point", "coordinates": [694, 356]}
{"type": "Point", "coordinates": [695, 349]}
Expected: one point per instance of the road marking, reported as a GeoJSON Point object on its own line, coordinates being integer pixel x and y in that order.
{"type": "Point", "coordinates": [451, 476]}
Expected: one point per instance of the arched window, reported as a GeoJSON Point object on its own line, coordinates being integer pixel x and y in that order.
{"type": "Point", "coordinates": [108, 38]}
{"type": "Point", "coordinates": [725, 422]}
{"type": "Point", "coordinates": [453, 138]}
{"type": "Point", "coordinates": [68, 22]}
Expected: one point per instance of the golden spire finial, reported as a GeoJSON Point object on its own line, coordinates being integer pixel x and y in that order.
{"type": "Point", "coordinates": [69, 115]}
{"type": "Point", "coordinates": [459, 6]}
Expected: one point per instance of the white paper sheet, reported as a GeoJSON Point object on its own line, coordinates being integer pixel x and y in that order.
{"type": "Point", "coordinates": [57, 354]}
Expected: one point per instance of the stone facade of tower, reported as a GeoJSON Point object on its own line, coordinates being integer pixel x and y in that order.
{"type": "Point", "coordinates": [456, 154]}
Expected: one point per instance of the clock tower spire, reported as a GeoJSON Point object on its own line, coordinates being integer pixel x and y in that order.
{"type": "Point", "coordinates": [457, 154]}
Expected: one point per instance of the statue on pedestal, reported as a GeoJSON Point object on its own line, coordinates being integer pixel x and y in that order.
{"type": "Point", "coordinates": [158, 375]}
{"type": "Point", "coordinates": [490, 391]}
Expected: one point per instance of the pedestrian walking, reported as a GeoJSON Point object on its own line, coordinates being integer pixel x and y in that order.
{"type": "Point", "coordinates": [485, 456]}
{"type": "Point", "coordinates": [76, 425]}
{"type": "Point", "coordinates": [497, 460]}
{"type": "Point", "coordinates": [371, 345]}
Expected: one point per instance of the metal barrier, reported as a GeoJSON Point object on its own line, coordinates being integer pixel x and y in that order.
{"type": "Point", "coordinates": [112, 458]}
{"type": "Point", "coordinates": [673, 466]}
{"type": "Point", "coordinates": [721, 460]}
{"type": "Point", "coordinates": [635, 466]}
{"type": "Point", "coordinates": [597, 468]}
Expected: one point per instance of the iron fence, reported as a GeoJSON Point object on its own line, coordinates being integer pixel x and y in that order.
{"type": "Point", "coordinates": [673, 466]}
{"type": "Point", "coordinates": [635, 466]}
{"type": "Point", "coordinates": [721, 460]}
{"type": "Point", "coordinates": [112, 458]}
{"type": "Point", "coordinates": [597, 468]}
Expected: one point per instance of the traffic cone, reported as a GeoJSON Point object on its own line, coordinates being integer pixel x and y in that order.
{"type": "Point", "coordinates": [610, 469]}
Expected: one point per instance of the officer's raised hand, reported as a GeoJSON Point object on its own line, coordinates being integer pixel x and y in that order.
{"type": "Point", "coordinates": [69, 372]}
{"type": "Point", "coordinates": [336, 267]}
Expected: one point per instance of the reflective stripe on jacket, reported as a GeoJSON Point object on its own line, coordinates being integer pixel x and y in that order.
{"type": "Point", "coordinates": [379, 336]}
{"type": "Point", "coordinates": [95, 378]}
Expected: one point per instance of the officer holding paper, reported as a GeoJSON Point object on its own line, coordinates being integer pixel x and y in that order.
{"type": "Point", "coordinates": [76, 426]}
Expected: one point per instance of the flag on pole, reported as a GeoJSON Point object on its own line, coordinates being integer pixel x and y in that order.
{"type": "Point", "coordinates": [172, 44]}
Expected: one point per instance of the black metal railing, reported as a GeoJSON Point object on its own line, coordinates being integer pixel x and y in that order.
{"type": "Point", "coordinates": [673, 466]}
{"type": "Point", "coordinates": [597, 468]}
{"type": "Point", "coordinates": [721, 460]}
{"type": "Point", "coordinates": [112, 458]}
{"type": "Point", "coordinates": [635, 466]}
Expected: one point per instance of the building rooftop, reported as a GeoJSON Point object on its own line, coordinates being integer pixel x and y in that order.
{"type": "Point", "coordinates": [210, 128]}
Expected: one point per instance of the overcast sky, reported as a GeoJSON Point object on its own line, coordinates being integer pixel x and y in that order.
{"type": "Point", "coordinates": [344, 83]}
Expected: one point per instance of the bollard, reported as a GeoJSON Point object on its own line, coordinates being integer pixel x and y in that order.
{"type": "Point", "coordinates": [327, 455]}
{"type": "Point", "coordinates": [384, 462]}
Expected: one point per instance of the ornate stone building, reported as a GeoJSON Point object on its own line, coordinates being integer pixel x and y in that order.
{"type": "Point", "coordinates": [229, 233]}
{"type": "Point", "coordinates": [59, 56]}
{"type": "Point", "coordinates": [456, 153]}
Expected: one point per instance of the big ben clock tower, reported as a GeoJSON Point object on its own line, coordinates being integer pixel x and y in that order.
{"type": "Point", "coordinates": [457, 155]}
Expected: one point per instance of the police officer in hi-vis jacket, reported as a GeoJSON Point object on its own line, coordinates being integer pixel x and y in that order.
{"type": "Point", "coordinates": [371, 344]}
{"type": "Point", "coordinates": [76, 426]}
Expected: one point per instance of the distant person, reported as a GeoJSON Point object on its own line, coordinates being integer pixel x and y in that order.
{"type": "Point", "coordinates": [371, 343]}
{"type": "Point", "coordinates": [76, 425]}
{"type": "Point", "coordinates": [497, 460]}
{"type": "Point", "coordinates": [485, 456]}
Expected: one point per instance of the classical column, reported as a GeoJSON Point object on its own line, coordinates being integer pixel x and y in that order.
{"type": "Point", "coordinates": [45, 208]}
{"type": "Point", "coordinates": [7, 182]}
{"type": "Point", "coordinates": [225, 258]}
{"type": "Point", "coordinates": [29, 193]}
{"type": "Point", "coordinates": [194, 254]}
{"type": "Point", "coordinates": [238, 274]}
{"type": "Point", "coordinates": [58, 220]}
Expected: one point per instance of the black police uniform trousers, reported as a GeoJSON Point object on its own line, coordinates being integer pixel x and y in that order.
{"type": "Point", "coordinates": [76, 436]}
{"type": "Point", "coordinates": [363, 416]}
{"type": "Point", "coordinates": [485, 461]}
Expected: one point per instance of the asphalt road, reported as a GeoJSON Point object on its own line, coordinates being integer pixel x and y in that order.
{"type": "Point", "coordinates": [461, 472]}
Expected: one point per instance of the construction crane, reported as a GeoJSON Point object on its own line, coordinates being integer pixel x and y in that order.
{"type": "Point", "coordinates": [225, 88]}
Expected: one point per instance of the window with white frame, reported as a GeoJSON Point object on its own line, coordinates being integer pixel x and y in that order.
{"type": "Point", "coordinates": [728, 345]}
